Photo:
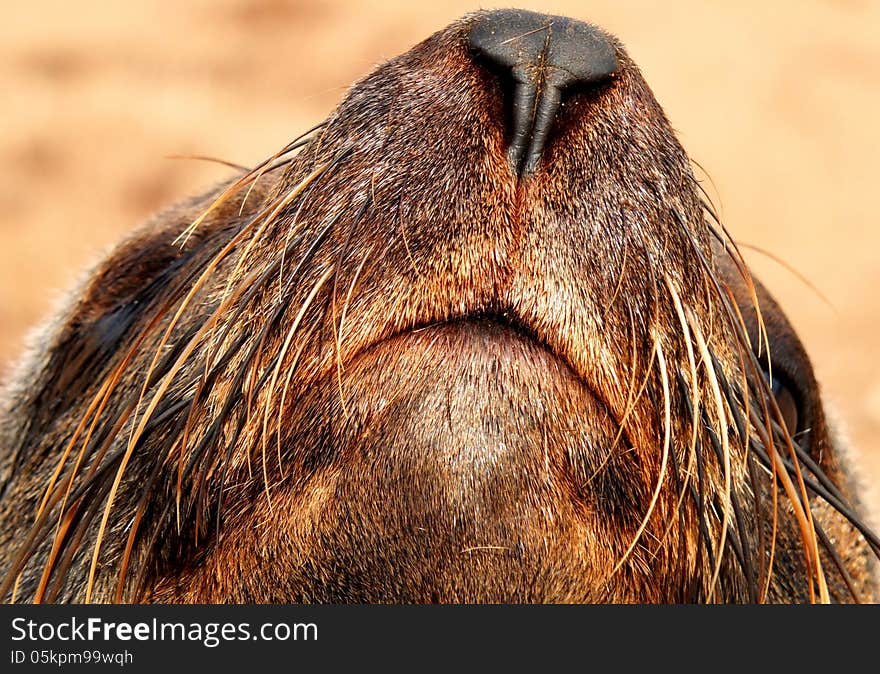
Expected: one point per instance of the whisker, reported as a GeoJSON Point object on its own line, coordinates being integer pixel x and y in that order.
{"type": "Point", "coordinates": [205, 158]}
{"type": "Point", "coordinates": [792, 270]}
{"type": "Point", "coordinates": [838, 504]}
{"type": "Point", "coordinates": [698, 492]}
{"type": "Point", "coordinates": [694, 402]}
{"type": "Point", "coordinates": [248, 178]}
{"type": "Point", "coordinates": [631, 400]}
{"type": "Point", "coordinates": [281, 405]}
{"type": "Point", "coordinates": [723, 432]}
{"type": "Point", "coordinates": [138, 431]}
{"type": "Point", "coordinates": [667, 433]}
{"type": "Point", "coordinates": [284, 348]}
{"type": "Point", "coordinates": [337, 339]}
{"type": "Point", "coordinates": [267, 218]}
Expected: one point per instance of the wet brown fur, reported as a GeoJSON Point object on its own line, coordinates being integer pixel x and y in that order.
{"type": "Point", "coordinates": [385, 369]}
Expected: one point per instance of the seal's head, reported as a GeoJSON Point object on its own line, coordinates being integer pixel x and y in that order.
{"type": "Point", "coordinates": [480, 339]}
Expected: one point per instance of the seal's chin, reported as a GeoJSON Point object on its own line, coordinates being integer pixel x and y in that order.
{"type": "Point", "coordinates": [473, 448]}
{"type": "Point", "coordinates": [473, 412]}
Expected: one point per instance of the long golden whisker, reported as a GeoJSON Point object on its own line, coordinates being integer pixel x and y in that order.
{"type": "Point", "coordinates": [738, 260]}
{"type": "Point", "coordinates": [96, 406]}
{"type": "Point", "coordinates": [264, 167]}
{"type": "Point", "coordinates": [133, 531]}
{"type": "Point", "coordinates": [745, 274]}
{"type": "Point", "coordinates": [764, 426]}
{"type": "Point", "coordinates": [631, 402]}
{"type": "Point", "coordinates": [667, 433]}
{"type": "Point", "coordinates": [206, 158]}
{"type": "Point", "coordinates": [740, 410]}
{"type": "Point", "coordinates": [133, 439]}
{"type": "Point", "coordinates": [337, 341]}
{"type": "Point", "coordinates": [725, 443]}
{"type": "Point", "coordinates": [708, 203]}
{"type": "Point", "coordinates": [291, 229]}
{"type": "Point", "coordinates": [61, 532]}
{"type": "Point", "coordinates": [60, 535]}
{"type": "Point", "coordinates": [727, 241]}
{"type": "Point", "coordinates": [337, 330]}
{"type": "Point", "coordinates": [802, 519]}
{"type": "Point", "coordinates": [248, 178]}
{"type": "Point", "coordinates": [266, 218]}
{"type": "Point", "coordinates": [695, 394]}
{"type": "Point", "coordinates": [183, 238]}
{"type": "Point", "coordinates": [350, 292]}
{"type": "Point", "coordinates": [740, 330]}
{"type": "Point", "coordinates": [287, 379]}
{"type": "Point", "coordinates": [811, 538]}
{"type": "Point", "coordinates": [792, 270]}
{"type": "Point", "coordinates": [196, 287]}
{"type": "Point", "coordinates": [284, 348]}
{"type": "Point", "coordinates": [803, 515]}
{"type": "Point", "coordinates": [279, 205]}
{"type": "Point", "coordinates": [91, 507]}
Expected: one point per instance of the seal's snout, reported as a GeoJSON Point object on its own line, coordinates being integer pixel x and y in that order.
{"type": "Point", "coordinates": [541, 57]}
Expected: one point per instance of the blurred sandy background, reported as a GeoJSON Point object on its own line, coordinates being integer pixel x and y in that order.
{"type": "Point", "coordinates": [779, 101]}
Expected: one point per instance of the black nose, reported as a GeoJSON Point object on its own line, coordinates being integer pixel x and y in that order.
{"type": "Point", "coordinates": [545, 55]}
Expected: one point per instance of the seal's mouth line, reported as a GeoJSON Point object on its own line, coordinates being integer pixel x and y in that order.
{"type": "Point", "coordinates": [504, 319]}
{"type": "Point", "coordinates": [500, 327]}
{"type": "Point", "coordinates": [481, 322]}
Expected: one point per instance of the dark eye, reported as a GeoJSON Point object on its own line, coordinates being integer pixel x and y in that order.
{"type": "Point", "coordinates": [786, 402]}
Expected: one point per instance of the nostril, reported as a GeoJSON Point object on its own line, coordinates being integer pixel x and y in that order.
{"type": "Point", "coordinates": [539, 57]}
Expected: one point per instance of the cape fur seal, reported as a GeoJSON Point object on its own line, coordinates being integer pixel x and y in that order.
{"type": "Point", "coordinates": [478, 337]}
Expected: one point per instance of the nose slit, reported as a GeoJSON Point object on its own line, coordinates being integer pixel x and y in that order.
{"type": "Point", "coordinates": [544, 55]}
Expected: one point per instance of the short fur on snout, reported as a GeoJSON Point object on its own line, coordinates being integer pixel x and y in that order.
{"type": "Point", "coordinates": [385, 365]}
